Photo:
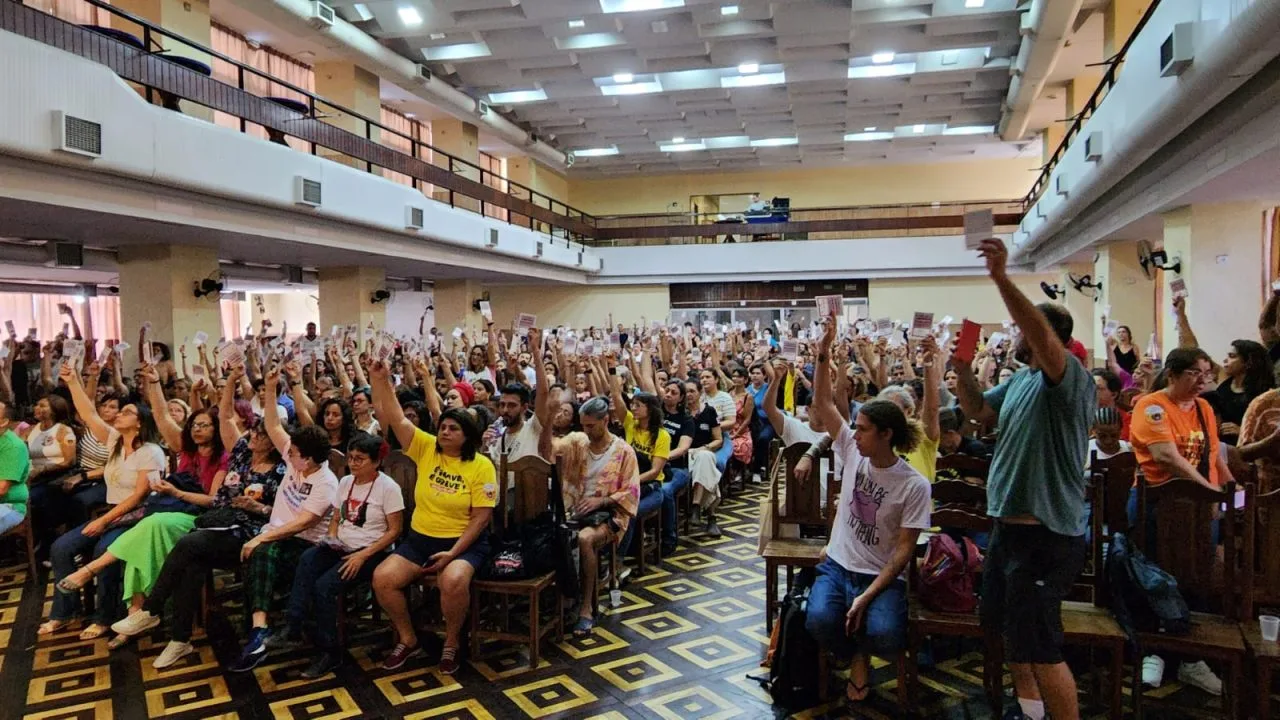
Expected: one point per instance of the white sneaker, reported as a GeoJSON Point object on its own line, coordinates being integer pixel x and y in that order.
{"type": "Point", "coordinates": [1198, 674]}
{"type": "Point", "coordinates": [136, 623]}
{"type": "Point", "coordinates": [1152, 671]}
{"type": "Point", "coordinates": [173, 652]}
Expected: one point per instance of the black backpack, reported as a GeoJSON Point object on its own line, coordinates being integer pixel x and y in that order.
{"type": "Point", "coordinates": [1144, 598]}
{"type": "Point", "coordinates": [793, 675]}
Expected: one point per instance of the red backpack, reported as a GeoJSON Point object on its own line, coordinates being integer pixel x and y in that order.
{"type": "Point", "coordinates": [948, 574]}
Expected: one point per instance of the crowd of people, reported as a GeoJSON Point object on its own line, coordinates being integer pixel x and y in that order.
{"type": "Point", "coordinates": [265, 454]}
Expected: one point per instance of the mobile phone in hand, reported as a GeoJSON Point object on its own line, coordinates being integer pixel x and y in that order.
{"type": "Point", "coordinates": [967, 341]}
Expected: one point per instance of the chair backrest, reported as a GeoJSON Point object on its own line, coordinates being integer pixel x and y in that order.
{"type": "Point", "coordinates": [796, 501]}
{"type": "Point", "coordinates": [960, 494]}
{"type": "Point", "coordinates": [404, 471]}
{"type": "Point", "coordinates": [337, 462]}
{"type": "Point", "coordinates": [968, 468]}
{"type": "Point", "coordinates": [1115, 476]}
{"type": "Point", "coordinates": [1185, 514]}
{"type": "Point", "coordinates": [524, 488]}
{"type": "Point", "coordinates": [1261, 567]}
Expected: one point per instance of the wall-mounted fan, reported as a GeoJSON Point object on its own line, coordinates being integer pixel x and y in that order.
{"type": "Point", "coordinates": [1085, 285]}
{"type": "Point", "coordinates": [1053, 291]}
{"type": "Point", "coordinates": [1152, 260]}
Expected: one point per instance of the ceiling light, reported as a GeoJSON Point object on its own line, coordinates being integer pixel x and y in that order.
{"type": "Point", "coordinates": [881, 58]}
{"type": "Point", "coordinates": [733, 81]}
{"type": "Point", "coordinates": [869, 129]}
{"type": "Point", "coordinates": [749, 68]}
{"type": "Point", "coordinates": [517, 96]}
{"type": "Point", "coordinates": [596, 152]}
{"type": "Point", "coordinates": [970, 130]}
{"type": "Point", "coordinates": [974, 3]}
{"type": "Point", "coordinates": [577, 23]}
{"type": "Point", "coordinates": [677, 140]}
{"type": "Point", "coordinates": [774, 142]}
{"type": "Point", "coordinates": [411, 115]}
{"type": "Point", "coordinates": [868, 136]}
{"type": "Point", "coordinates": [917, 129]}
{"type": "Point", "coordinates": [728, 9]}
{"type": "Point", "coordinates": [682, 146]}
{"type": "Point", "coordinates": [410, 16]}
{"type": "Point", "coordinates": [623, 78]}
{"type": "Point", "coordinates": [879, 71]}
{"type": "Point", "coordinates": [437, 36]}
{"type": "Point", "coordinates": [622, 6]}
{"type": "Point", "coordinates": [636, 88]}
{"type": "Point", "coordinates": [362, 11]}
{"type": "Point", "coordinates": [459, 51]}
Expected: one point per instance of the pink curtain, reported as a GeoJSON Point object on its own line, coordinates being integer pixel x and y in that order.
{"type": "Point", "coordinates": [236, 47]}
{"type": "Point", "coordinates": [28, 310]}
{"type": "Point", "coordinates": [414, 129]}
{"type": "Point", "coordinates": [495, 177]}
{"type": "Point", "coordinates": [75, 11]}
{"type": "Point", "coordinates": [231, 325]}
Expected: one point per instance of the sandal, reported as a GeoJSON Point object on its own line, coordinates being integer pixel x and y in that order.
{"type": "Point", "coordinates": [49, 627]}
{"type": "Point", "coordinates": [583, 627]}
{"type": "Point", "coordinates": [119, 641]}
{"type": "Point", "coordinates": [93, 632]}
{"type": "Point", "coordinates": [66, 585]}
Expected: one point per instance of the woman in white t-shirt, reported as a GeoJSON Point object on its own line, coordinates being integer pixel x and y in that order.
{"type": "Point", "coordinates": [858, 604]}
{"type": "Point", "coordinates": [726, 412]}
{"type": "Point", "coordinates": [368, 514]}
{"type": "Point", "coordinates": [135, 460]}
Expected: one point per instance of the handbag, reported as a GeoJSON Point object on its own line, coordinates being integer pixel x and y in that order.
{"type": "Point", "coordinates": [161, 503]}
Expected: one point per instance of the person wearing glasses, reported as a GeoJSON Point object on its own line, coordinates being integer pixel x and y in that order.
{"type": "Point", "coordinates": [368, 514]}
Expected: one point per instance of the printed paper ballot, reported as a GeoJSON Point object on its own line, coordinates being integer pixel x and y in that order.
{"type": "Point", "coordinates": [524, 322]}
{"type": "Point", "coordinates": [829, 305]}
{"type": "Point", "coordinates": [791, 349]}
{"type": "Point", "coordinates": [1178, 288]}
{"type": "Point", "coordinates": [486, 310]}
{"type": "Point", "coordinates": [921, 325]}
{"type": "Point", "coordinates": [978, 226]}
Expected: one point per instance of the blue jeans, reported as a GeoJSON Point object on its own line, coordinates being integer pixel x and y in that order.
{"type": "Point", "coordinates": [110, 585]}
{"type": "Point", "coordinates": [680, 479]}
{"type": "Point", "coordinates": [884, 626]}
{"type": "Point", "coordinates": [318, 583]}
{"type": "Point", "coordinates": [10, 518]}
{"type": "Point", "coordinates": [648, 504]}
{"type": "Point", "coordinates": [724, 453]}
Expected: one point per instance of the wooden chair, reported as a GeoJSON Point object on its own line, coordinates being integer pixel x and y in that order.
{"type": "Point", "coordinates": [337, 462]}
{"type": "Point", "coordinates": [922, 621]}
{"type": "Point", "coordinates": [798, 503]}
{"type": "Point", "coordinates": [1116, 475]}
{"type": "Point", "coordinates": [970, 469]}
{"type": "Point", "coordinates": [649, 535]}
{"type": "Point", "coordinates": [1261, 584]}
{"type": "Point", "coordinates": [531, 497]}
{"type": "Point", "coordinates": [1184, 513]}
{"type": "Point", "coordinates": [404, 471]}
{"type": "Point", "coordinates": [25, 531]}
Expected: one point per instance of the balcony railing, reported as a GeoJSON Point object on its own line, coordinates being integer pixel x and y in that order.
{"type": "Point", "coordinates": [827, 223]}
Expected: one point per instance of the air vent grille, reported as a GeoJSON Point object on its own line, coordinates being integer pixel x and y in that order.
{"type": "Point", "coordinates": [77, 135]}
{"type": "Point", "coordinates": [68, 255]}
{"type": "Point", "coordinates": [537, 252]}
{"type": "Point", "coordinates": [414, 218]}
{"type": "Point", "coordinates": [493, 237]}
{"type": "Point", "coordinates": [307, 191]}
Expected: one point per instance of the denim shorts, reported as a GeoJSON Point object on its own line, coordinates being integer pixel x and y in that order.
{"type": "Point", "coordinates": [418, 549]}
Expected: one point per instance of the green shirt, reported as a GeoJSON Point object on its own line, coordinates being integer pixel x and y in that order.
{"type": "Point", "coordinates": [15, 466]}
{"type": "Point", "coordinates": [1043, 444]}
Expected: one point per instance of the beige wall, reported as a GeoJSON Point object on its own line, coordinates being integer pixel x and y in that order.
{"type": "Point", "coordinates": [345, 293]}
{"type": "Point", "coordinates": [579, 306]}
{"type": "Point", "coordinates": [291, 310]}
{"type": "Point", "coordinates": [974, 298]}
{"type": "Point", "coordinates": [818, 187]}
{"type": "Point", "coordinates": [156, 286]}
{"type": "Point", "coordinates": [1127, 291]}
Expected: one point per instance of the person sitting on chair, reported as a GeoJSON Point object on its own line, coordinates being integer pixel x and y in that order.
{"type": "Point", "coordinates": [757, 206]}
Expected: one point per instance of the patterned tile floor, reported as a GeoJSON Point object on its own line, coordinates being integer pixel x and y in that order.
{"type": "Point", "coordinates": [679, 647]}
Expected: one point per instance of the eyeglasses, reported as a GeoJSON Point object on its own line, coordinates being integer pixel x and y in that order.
{"type": "Point", "coordinates": [202, 426]}
{"type": "Point", "coordinates": [129, 411]}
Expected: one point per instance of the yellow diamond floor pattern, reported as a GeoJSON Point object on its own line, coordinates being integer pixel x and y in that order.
{"type": "Point", "coordinates": [679, 647]}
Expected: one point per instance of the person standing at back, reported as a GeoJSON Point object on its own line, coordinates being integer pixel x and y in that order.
{"type": "Point", "coordinates": [1035, 493]}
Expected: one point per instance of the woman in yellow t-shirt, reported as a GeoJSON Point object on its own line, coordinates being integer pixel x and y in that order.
{"type": "Point", "coordinates": [448, 535]}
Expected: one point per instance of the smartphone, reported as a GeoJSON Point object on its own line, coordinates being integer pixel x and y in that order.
{"type": "Point", "coordinates": [967, 341]}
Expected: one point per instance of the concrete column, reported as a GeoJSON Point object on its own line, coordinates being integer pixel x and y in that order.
{"type": "Point", "coordinates": [1119, 19]}
{"type": "Point", "coordinates": [187, 18]}
{"type": "Point", "coordinates": [1222, 249]}
{"type": "Point", "coordinates": [1051, 138]}
{"type": "Point", "coordinates": [1080, 88]}
{"type": "Point", "coordinates": [157, 285]}
{"type": "Point", "coordinates": [1131, 297]}
{"type": "Point", "coordinates": [355, 89]}
{"type": "Point", "coordinates": [453, 301]}
{"type": "Point", "coordinates": [344, 297]}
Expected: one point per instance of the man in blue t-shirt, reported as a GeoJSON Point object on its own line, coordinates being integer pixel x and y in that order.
{"type": "Point", "coordinates": [1035, 493]}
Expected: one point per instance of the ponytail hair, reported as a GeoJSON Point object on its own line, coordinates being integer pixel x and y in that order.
{"type": "Point", "coordinates": [886, 415]}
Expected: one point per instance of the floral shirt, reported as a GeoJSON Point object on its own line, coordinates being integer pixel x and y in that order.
{"type": "Point", "coordinates": [240, 475]}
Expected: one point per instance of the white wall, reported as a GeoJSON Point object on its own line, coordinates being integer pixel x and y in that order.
{"type": "Point", "coordinates": [975, 298]}
{"type": "Point", "coordinates": [405, 309]}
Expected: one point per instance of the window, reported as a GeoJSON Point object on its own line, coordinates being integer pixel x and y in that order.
{"type": "Point", "coordinates": [495, 176]}
{"type": "Point", "coordinates": [232, 44]}
{"type": "Point", "coordinates": [412, 128]}
{"type": "Point", "coordinates": [74, 11]}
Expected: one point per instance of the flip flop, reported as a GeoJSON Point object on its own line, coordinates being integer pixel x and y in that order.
{"type": "Point", "coordinates": [583, 627]}
{"type": "Point", "coordinates": [119, 641]}
{"type": "Point", "coordinates": [65, 585]}
{"type": "Point", "coordinates": [93, 632]}
{"type": "Point", "coordinates": [49, 627]}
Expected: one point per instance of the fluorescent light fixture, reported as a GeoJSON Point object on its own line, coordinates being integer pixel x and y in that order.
{"type": "Point", "coordinates": [774, 142]}
{"type": "Point", "coordinates": [727, 141]}
{"type": "Point", "coordinates": [437, 36]}
{"type": "Point", "coordinates": [677, 140]}
{"type": "Point", "coordinates": [623, 78]}
{"type": "Point", "coordinates": [880, 71]}
{"type": "Point", "coordinates": [970, 130]}
{"type": "Point", "coordinates": [460, 51]}
{"type": "Point", "coordinates": [869, 129]}
{"type": "Point", "coordinates": [624, 6]}
{"type": "Point", "coordinates": [682, 146]}
{"type": "Point", "coordinates": [882, 58]}
{"type": "Point", "coordinates": [362, 11]}
{"type": "Point", "coordinates": [733, 81]}
{"type": "Point", "coordinates": [575, 24]}
{"type": "Point", "coordinates": [749, 68]}
{"type": "Point", "coordinates": [728, 9]}
{"type": "Point", "coordinates": [868, 136]}
{"type": "Point", "coordinates": [517, 96]}
{"type": "Point", "coordinates": [596, 152]}
{"type": "Point", "coordinates": [917, 129]}
{"type": "Point", "coordinates": [638, 88]}
{"type": "Point", "coordinates": [410, 16]}
{"type": "Point", "coordinates": [974, 3]}
{"type": "Point", "coordinates": [589, 41]}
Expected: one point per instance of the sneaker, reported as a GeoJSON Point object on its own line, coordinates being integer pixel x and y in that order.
{"type": "Point", "coordinates": [1198, 674]}
{"type": "Point", "coordinates": [173, 652]}
{"type": "Point", "coordinates": [255, 651]}
{"type": "Point", "coordinates": [290, 639]}
{"type": "Point", "coordinates": [1152, 671]}
{"type": "Point", "coordinates": [136, 623]}
{"type": "Point", "coordinates": [449, 661]}
{"type": "Point", "coordinates": [326, 663]}
{"type": "Point", "coordinates": [399, 656]}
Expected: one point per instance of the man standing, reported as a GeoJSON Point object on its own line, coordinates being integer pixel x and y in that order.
{"type": "Point", "coordinates": [15, 466]}
{"type": "Point", "coordinates": [1035, 493]}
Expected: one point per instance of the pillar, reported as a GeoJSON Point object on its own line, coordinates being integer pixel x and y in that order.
{"type": "Point", "coordinates": [355, 89]}
{"type": "Point", "coordinates": [1222, 250]}
{"type": "Point", "coordinates": [345, 294]}
{"type": "Point", "coordinates": [187, 18]}
{"type": "Point", "coordinates": [1119, 19]}
{"type": "Point", "coordinates": [157, 284]}
{"type": "Point", "coordinates": [1128, 293]}
{"type": "Point", "coordinates": [462, 141]}
{"type": "Point", "coordinates": [1078, 304]}
{"type": "Point", "coordinates": [1079, 89]}
{"type": "Point", "coordinates": [454, 306]}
